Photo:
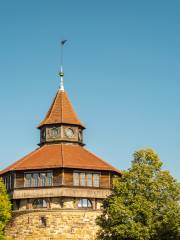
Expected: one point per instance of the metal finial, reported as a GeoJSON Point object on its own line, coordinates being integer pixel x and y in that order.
{"type": "Point", "coordinates": [61, 73]}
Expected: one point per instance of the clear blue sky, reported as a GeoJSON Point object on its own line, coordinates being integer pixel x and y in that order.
{"type": "Point", "coordinates": [122, 73]}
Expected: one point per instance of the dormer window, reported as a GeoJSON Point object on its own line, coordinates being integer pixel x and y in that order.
{"type": "Point", "coordinates": [86, 179]}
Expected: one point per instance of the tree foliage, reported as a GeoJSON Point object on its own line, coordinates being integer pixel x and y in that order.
{"type": "Point", "coordinates": [5, 208]}
{"type": "Point", "coordinates": [144, 204]}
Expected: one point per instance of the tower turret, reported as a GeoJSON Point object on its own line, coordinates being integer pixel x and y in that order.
{"type": "Point", "coordinates": [61, 123]}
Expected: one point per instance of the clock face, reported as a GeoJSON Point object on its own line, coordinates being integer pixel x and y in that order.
{"type": "Point", "coordinates": [69, 132]}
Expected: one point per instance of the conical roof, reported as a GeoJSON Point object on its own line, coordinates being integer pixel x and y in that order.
{"type": "Point", "coordinates": [61, 111]}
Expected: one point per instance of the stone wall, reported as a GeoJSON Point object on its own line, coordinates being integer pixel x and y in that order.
{"type": "Point", "coordinates": [59, 224]}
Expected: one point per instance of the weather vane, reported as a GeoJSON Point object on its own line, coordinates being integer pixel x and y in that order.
{"type": "Point", "coordinates": [61, 73]}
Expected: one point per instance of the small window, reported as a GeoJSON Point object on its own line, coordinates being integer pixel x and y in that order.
{"type": "Point", "coordinates": [43, 179]}
{"type": "Point", "coordinates": [54, 132]}
{"type": "Point", "coordinates": [43, 133]}
{"type": "Point", "coordinates": [84, 203]}
{"type": "Point", "coordinates": [28, 179]}
{"type": "Point", "coordinates": [43, 221]}
{"type": "Point", "coordinates": [96, 180]}
{"type": "Point", "coordinates": [49, 179]}
{"type": "Point", "coordinates": [76, 179]}
{"type": "Point", "coordinates": [89, 179]}
{"type": "Point", "coordinates": [82, 179]}
{"type": "Point", "coordinates": [40, 203]}
{"type": "Point", "coordinates": [36, 179]}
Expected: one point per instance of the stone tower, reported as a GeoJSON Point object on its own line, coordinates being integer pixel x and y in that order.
{"type": "Point", "coordinates": [57, 189]}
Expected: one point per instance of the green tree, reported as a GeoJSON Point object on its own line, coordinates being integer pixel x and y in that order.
{"type": "Point", "coordinates": [5, 208]}
{"type": "Point", "coordinates": [144, 204]}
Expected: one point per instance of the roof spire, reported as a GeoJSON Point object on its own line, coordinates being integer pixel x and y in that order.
{"type": "Point", "coordinates": [61, 73]}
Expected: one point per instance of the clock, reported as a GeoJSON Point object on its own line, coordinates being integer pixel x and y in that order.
{"type": "Point", "coordinates": [69, 132]}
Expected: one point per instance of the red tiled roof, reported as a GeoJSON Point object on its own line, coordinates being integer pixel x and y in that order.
{"type": "Point", "coordinates": [61, 111]}
{"type": "Point", "coordinates": [60, 156]}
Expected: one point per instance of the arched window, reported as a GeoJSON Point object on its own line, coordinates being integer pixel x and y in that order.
{"type": "Point", "coordinates": [40, 203]}
{"type": "Point", "coordinates": [84, 203]}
